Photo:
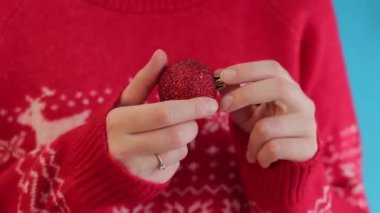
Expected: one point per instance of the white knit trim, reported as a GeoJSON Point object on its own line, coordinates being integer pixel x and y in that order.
{"type": "Point", "coordinates": [204, 206]}
{"type": "Point", "coordinates": [322, 204]}
{"type": "Point", "coordinates": [195, 191]}
{"type": "Point", "coordinates": [46, 172]}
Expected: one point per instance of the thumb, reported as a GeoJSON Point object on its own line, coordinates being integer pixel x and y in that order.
{"type": "Point", "coordinates": [145, 80]}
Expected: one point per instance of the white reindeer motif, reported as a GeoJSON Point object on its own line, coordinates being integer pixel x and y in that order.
{"type": "Point", "coordinates": [48, 130]}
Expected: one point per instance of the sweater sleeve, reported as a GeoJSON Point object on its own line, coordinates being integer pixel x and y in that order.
{"type": "Point", "coordinates": [325, 81]}
{"type": "Point", "coordinates": [7, 9]}
{"type": "Point", "coordinates": [331, 181]}
{"type": "Point", "coordinates": [75, 173]}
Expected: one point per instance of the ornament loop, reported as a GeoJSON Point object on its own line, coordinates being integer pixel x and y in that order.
{"type": "Point", "coordinates": [218, 82]}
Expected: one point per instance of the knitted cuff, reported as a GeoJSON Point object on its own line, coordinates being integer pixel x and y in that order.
{"type": "Point", "coordinates": [285, 183]}
{"type": "Point", "coordinates": [97, 179]}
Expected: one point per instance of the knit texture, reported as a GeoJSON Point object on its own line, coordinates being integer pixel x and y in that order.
{"type": "Point", "coordinates": [64, 64]}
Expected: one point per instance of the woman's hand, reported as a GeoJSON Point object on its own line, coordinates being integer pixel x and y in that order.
{"type": "Point", "coordinates": [267, 103]}
{"type": "Point", "coordinates": [137, 132]}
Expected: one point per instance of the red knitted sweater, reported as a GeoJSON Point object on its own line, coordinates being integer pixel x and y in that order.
{"type": "Point", "coordinates": [63, 65]}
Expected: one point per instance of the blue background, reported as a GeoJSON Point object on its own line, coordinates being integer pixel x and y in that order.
{"type": "Point", "coordinates": [359, 24]}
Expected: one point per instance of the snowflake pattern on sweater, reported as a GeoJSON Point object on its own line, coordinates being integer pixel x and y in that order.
{"type": "Point", "coordinates": [48, 173]}
{"type": "Point", "coordinates": [12, 148]}
{"type": "Point", "coordinates": [46, 176]}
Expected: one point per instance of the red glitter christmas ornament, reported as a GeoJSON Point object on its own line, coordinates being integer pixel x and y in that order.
{"type": "Point", "coordinates": [185, 79]}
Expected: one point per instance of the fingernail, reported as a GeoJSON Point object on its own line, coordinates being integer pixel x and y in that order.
{"type": "Point", "coordinates": [161, 57]}
{"type": "Point", "coordinates": [155, 53]}
{"type": "Point", "coordinates": [265, 166]}
{"type": "Point", "coordinates": [211, 106]}
{"type": "Point", "coordinates": [249, 158]}
{"type": "Point", "coordinates": [218, 71]}
{"type": "Point", "coordinates": [226, 102]}
{"type": "Point", "coordinates": [228, 74]}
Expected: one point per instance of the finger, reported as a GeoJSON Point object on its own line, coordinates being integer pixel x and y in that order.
{"type": "Point", "coordinates": [292, 149]}
{"type": "Point", "coordinates": [269, 90]}
{"type": "Point", "coordinates": [253, 71]}
{"type": "Point", "coordinates": [144, 81]}
{"type": "Point", "coordinates": [173, 156]}
{"type": "Point", "coordinates": [163, 140]}
{"type": "Point", "coordinates": [243, 115]}
{"type": "Point", "coordinates": [227, 88]}
{"type": "Point", "coordinates": [147, 117]}
{"type": "Point", "coordinates": [162, 176]}
{"type": "Point", "coordinates": [283, 126]}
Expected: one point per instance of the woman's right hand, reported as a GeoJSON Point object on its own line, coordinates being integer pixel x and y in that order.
{"type": "Point", "coordinates": [137, 132]}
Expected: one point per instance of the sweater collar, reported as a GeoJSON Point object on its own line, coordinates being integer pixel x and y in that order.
{"type": "Point", "coordinates": [145, 5]}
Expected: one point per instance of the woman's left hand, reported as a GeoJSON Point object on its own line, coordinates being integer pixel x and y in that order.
{"type": "Point", "coordinates": [267, 103]}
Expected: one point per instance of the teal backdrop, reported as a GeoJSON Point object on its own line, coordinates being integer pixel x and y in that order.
{"type": "Point", "coordinates": [359, 24]}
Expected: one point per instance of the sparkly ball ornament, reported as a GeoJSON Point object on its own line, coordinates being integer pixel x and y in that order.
{"type": "Point", "coordinates": [185, 79]}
